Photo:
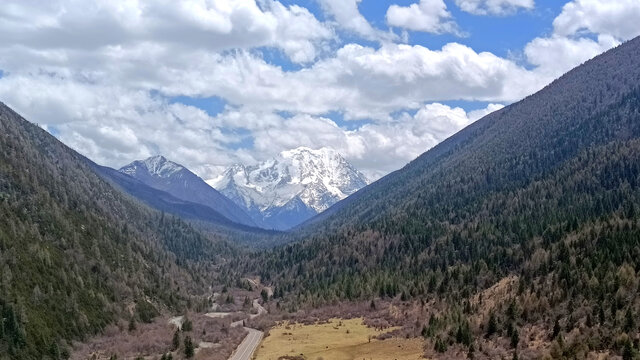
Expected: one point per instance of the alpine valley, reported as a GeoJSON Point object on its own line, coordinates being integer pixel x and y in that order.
{"type": "Point", "coordinates": [513, 234]}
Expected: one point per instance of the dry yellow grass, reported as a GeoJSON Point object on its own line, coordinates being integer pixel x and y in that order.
{"type": "Point", "coordinates": [337, 340]}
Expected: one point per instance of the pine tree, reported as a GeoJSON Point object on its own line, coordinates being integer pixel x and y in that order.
{"type": "Point", "coordinates": [132, 324]}
{"type": "Point", "coordinates": [629, 322]}
{"type": "Point", "coordinates": [556, 329]}
{"type": "Point", "coordinates": [492, 326]}
{"type": "Point", "coordinates": [54, 351]}
{"type": "Point", "coordinates": [189, 349]}
{"type": "Point", "coordinates": [440, 346]}
{"type": "Point", "coordinates": [187, 325]}
{"type": "Point", "coordinates": [601, 315]}
{"type": "Point", "coordinates": [515, 338]}
{"type": "Point", "coordinates": [628, 352]}
{"type": "Point", "coordinates": [176, 341]}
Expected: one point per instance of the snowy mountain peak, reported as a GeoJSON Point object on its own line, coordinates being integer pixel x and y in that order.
{"type": "Point", "coordinates": [175, 179]}
{"type": "Point", "coordinates": [156, 165]}
{"type": "Point", "coordinates": [304, 180]}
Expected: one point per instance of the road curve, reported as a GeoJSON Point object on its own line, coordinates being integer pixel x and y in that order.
{"type": "Point", "coordinates": [260, 308]}
{"type": "Point", "coordinates": [248, 346]}
{"type": "Point", "coordinates": [250, 343]}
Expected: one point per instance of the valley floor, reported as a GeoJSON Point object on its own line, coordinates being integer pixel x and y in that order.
{"type": "Point", "coordinates": [336, 339]}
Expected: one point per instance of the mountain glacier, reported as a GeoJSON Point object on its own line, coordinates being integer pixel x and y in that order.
{"type": "Point", "coordinates": [290, 188]}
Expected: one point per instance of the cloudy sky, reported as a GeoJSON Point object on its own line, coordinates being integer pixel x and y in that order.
{"type": "Point", "coordinates": [208, 83]}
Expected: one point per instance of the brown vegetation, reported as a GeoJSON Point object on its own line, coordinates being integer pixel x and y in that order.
{"type": "Point", "coordinates": [153, 340]}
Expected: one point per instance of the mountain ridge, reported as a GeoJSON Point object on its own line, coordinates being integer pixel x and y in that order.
{"type": "Point", "coordinates": [162, 174]}
{"type": "Point", "coordinates": [283, 191]}
{"type": "Point", "coordinates": [558, 89]}
{"type": "Point", "coordinates": [164, 201]}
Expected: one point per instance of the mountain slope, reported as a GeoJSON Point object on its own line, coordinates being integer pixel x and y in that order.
{"type": "Point", "coordinates": [518, 133]}
{"type": "Point", "coordinates": [168, 203]}
{"type": "Point", "coordinates": [544, 190]}
{"type": "Point", "coordinates": [284, 191]}
{"type": "Point", "coordinates": [75, 253]}
{"type": "Point", "coordinates": [162, 174]}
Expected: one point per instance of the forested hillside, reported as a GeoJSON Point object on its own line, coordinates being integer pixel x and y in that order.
{"type": "Point", "coordinates": [546, 190]}
{"type": "Point", "coordinates": [76, 254]}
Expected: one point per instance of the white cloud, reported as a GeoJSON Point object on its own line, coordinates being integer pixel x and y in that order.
{"type": "Point", "coordinates": [211, 25]}
{"type": "Point", "coordinates": [494, 7]}
{"type": "Point", "coordinates": [348, 16]}
{"type": "Point", "coordinates": [557, 54]}
{"type": "Point", "coordinates": [298, 32]}
{"type": "Point", "coordinates": [427, 15]}
{"type": "Point", "coordinates": [113, 125]}
{"type": "Point", "coordinates": [381, 148]}
{"type": "Point", "coordinates": [375, 149]}
{"type": "Point", "coordinates": [584, 29]}
{"type": "Point", "coordinates": [617, 18]}
{"type": "Point", "coordinates": [398, 76]}
{"type": "Point", "coordinates": [360, 81]}
{"type": "Point", "coordinates": [480, 113]}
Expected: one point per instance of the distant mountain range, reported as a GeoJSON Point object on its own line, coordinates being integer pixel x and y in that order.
{"type": "Point", "coordinates": [176, 180]}
{"type": "Point", "coordinates": [290, 188]}
{"type": "Point", "coordinates": [163, 201]}
{"type": "Point", "coordinates": [277, 194]}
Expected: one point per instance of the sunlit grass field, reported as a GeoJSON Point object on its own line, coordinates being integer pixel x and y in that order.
{"type": "Point", "coordinates": [336, 340]}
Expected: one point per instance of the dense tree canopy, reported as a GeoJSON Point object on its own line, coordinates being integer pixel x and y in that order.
{"type": "Point", "coordinates": [74, 252]}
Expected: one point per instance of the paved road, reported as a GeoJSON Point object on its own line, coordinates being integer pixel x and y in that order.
{"type": "Point", "coordinates": [248, 346]}
{"type": "Point", "coordinates": [250, 343]}
{"type": "Point", "coordinates": [261, 309]}
{"type": "Point", "coordinates": [215, 315]}
{"type": "Point", "coordinates": [237, 323]}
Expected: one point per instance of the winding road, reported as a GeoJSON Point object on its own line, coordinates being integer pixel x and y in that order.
{"type": "Point", "coordinates": [250, 343]}
{"type": "Point", "coordinates": [248, 346]}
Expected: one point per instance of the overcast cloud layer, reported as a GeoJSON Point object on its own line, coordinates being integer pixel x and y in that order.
{"type": "Point", "coordinates": [100, 75]}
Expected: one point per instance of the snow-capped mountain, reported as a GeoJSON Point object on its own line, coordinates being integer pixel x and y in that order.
{"type": "Point", "coordinates": [290, 188]}
{"type": "Point", "coordinates": [168, 176]}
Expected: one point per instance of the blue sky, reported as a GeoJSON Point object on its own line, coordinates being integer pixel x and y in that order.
{"type": "Point", "coordinates": [500, 35]}
{"type": "Point", "coordinates": [209, 83]}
